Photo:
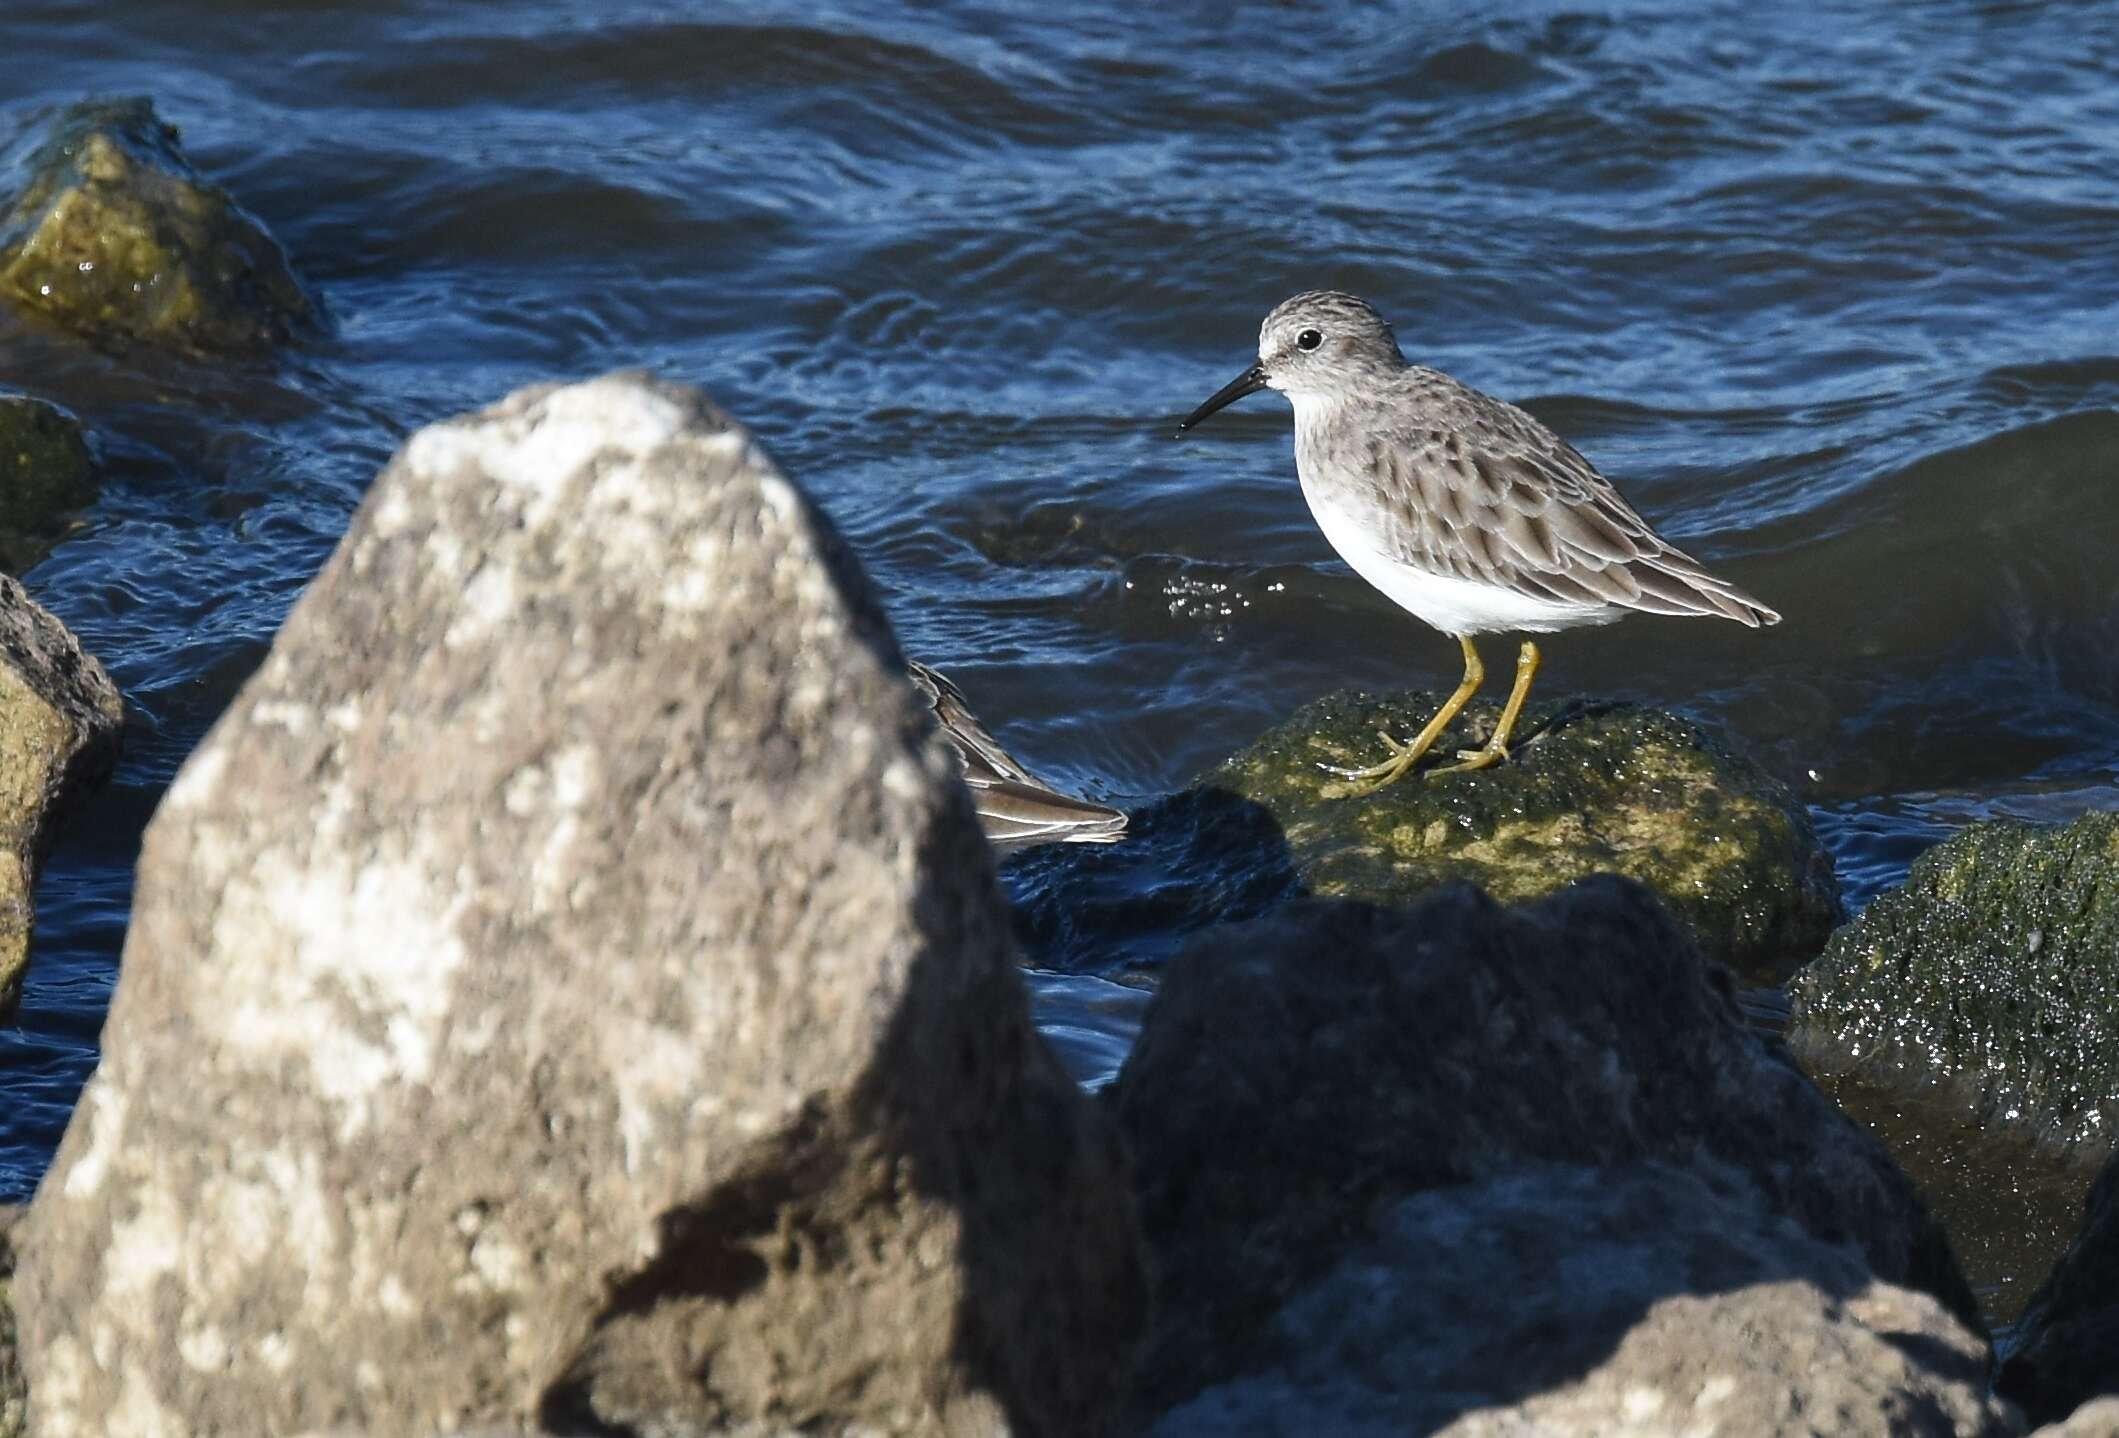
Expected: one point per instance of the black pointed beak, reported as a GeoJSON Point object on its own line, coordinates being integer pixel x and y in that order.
{"type": "Point", "coordinates": [1251, 381]}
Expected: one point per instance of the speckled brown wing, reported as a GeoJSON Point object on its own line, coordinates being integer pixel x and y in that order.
{"type": "Point", "coordinates": [1015, 807]}
{"type": "Point", "coordinates": [1479, 490]}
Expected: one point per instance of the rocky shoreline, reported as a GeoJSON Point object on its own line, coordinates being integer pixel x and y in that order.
{"type": "Point", "coordinates": [570, 993]}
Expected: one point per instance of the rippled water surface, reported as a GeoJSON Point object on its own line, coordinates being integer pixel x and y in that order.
{"type": "Point", "coordinates": [1832, 290]}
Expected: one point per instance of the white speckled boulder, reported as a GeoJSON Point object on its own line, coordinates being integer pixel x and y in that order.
{"type": "Point", "coordinates": [568, 990]}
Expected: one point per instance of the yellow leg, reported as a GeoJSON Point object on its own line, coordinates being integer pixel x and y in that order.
{"type": "Point", "coordinates": [1405, 756]}
{"type": "Point", "coordinates": [1496, 748]}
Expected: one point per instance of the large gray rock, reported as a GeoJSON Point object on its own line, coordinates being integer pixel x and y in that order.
{"type": "Point", "coordinates": [60, 724]}
{"type": "Point", "coordinates": [1993, 971]}
{"type": "Point", "coordinates": [2066, 1348]}
{"type": "Point", "coordinates": [1638, 1300]}
{"type": "Point", "coordinates": [112, 232]}
{"type": "Point", "coordinates": [1296, 1072]}
{"type": "Point", "coordinates": [569, 989]}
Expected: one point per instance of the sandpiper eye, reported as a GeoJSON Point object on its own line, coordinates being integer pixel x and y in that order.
{"type": "Point", "coordinates": [1308, 340]}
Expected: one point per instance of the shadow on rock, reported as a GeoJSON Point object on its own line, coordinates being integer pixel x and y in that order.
{"type": "Point", "coordinates": [1402, 1168]}
{"type": "Point", "coordinates": [2066, 1349]}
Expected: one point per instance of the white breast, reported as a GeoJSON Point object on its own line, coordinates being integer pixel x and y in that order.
{"type": "Point", "coordinates": [1454, 606]}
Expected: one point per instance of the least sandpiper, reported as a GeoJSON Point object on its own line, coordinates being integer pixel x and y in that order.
{"type": "Point", "coordinates": [1016, 808]}
{"type": "Point", "coordinates": [1460, 507]}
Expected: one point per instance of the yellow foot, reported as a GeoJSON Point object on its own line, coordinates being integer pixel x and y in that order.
{"type": "Point", "coordinates": [1398, 752]}
{"type": "Point", "coordinates": [1484, 758]}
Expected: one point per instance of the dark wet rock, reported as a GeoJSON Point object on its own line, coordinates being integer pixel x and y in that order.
{"type": "Point", "coordinates": [569, 990]}
{"type": "Point", "coordinates": [1994, 971]}
{"type": "Point", "coordinates": [1592, 788]}
{"type": "Point", "coordinates": [45, 477]}
{"type": "Point", "coordinates": [14, 1393]}
{"type": "Point", "coordinates": [1189, 861]}
{"type": "Point", "coordinates": [1637, 1299]}
{"type": "Point", "coordinates": [1294, 1073]}
{"type": "Point", "coordinates": [2066, 1348]}
{"type": "Point", "coordinates": [60, 723]}
{"type": "Point", "coordinates": [114, 233]}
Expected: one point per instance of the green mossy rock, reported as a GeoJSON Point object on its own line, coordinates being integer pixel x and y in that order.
{"type": "Point", "coordinates": [45, 476]}
{"type": "Point", "coordinates": [1994, 970]}
{"type": "Point", "coordinates": [115, 234]}
{"type": "Point", "coordinates": [1591, 788]}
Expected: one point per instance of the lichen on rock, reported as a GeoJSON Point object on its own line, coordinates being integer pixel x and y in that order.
{"type": "Point", "coordinates": [45, 476]}
{"type": "Point", "coordinates": [114, 232]}
{"type": "Point", "coordinates": [1993, 970]}
{"type": "Point", "coordinates": [1590, 788]}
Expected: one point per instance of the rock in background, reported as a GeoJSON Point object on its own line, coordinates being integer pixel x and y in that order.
{"type": "Point", "coordinates": [1299, 1076]}
{"type": "Point", "coordinates": [1588, 789]}
{"type": "Point", "coordinates": [2066, 1348]}
{"type": "Point", "coordinates": [114, 233]}
{"type": "Point", "coordinates": [1994, 970]}
{"type": "Point", "coordinates": [569, 989]}
{"type": "Point", "coordinates": [60, 723]}
{"type": "Point", "coordinates": [45, 476]}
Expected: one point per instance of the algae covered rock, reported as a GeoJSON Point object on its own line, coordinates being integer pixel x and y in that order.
{"type": "Point", "coordinates": [1994, 970]}
{"type": "Point", "coordinates": [115, 233]}
{"type": "Point", "coordinates": [45, 475]}
{"type": "Point", "coordinates": [1591, 788]}
{"type": "Point", "coordinates": [60, 719]}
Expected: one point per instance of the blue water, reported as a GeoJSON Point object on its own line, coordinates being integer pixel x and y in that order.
{"type": "Point", "coordinates": [1833, 292]}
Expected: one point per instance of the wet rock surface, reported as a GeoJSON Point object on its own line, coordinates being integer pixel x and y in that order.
{"type": "Point", "coordinates": [1994, 971]}
{"type": "Point", "coordinates": [45, 477]}
{"type": "Point", "coordinates": [60, 723]}
{"type": "Point", "coordinates": [1296, 1073]}
{"type": "Point", "coordinates": [113, 233]}
{"type": "Point", "coordinates": [568, 990]}
{"type": "Point", "coordinates": [2066, 1349]}
{"type": "Point", "coordinates": [1590, 788]}
{"type": "Point", "coordinates": [1638, 1299]}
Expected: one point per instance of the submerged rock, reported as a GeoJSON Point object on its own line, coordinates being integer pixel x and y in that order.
{"type": "Point", "coordinates": [115, 233]}
{"type": "Point", "coordinates": [1295, 1073]}
{"type": "Point", "coordinates": [569, 990]}
{"type": "Point", "coordinates": [1640, 1299]}
{"type": "Point", "coordinates": [1603, 788]}
{"type": "Point", "coordinates": [45, 476]}
{"type": "Point", "coordinates": [1994, 970]}
{"type": "Point", "coordinates": [60, 723]}
{"type": "Point", "coordinates": [2066, 1348]}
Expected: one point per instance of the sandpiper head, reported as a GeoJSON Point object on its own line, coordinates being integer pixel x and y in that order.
{"type": "Point", "coordinates": [1319, 344]}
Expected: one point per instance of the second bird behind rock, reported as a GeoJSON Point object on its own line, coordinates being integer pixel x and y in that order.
{"type": "Point", "coordinates": [1015, 807]}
